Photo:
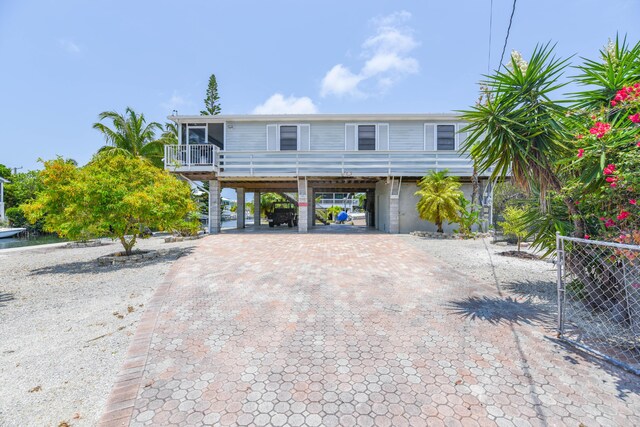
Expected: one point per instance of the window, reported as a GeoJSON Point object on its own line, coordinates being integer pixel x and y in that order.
{"type": "Point", "coordinates": [366, 137]}
{"type": "Point", "coordinates": [196, 134]}
{"type": "Point", "coordinates": [446, 137]}
{"type": "Point", "coordinates": [288, 138]}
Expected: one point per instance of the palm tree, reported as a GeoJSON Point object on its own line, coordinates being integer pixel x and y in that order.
{"type": "Point", "coordinates": [170, 134]}
{"type": "Point", "coordinates": [439, 198]}
{"type": "Point", "coordinates": [519, 130]}
{"type": "Point", "coordinates": [130, 134]}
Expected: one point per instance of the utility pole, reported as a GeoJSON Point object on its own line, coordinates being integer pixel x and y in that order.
{"type": "Point", "coordinates": [15, 170]}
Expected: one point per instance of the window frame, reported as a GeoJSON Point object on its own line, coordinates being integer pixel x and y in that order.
{"type": "Point", "coordinates": [279, 139]}
{"type": "Point", "coordinates": [357, 141]}
{"type": "Point", "coordinates": [203, 126]}
{"type": "Point", "coordinates": [435, 136]}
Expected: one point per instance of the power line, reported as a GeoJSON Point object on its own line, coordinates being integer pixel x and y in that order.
{"type": "Point", "coordinates": [490, 31]}
{"type": "Point", "coordinates": [513, 10]}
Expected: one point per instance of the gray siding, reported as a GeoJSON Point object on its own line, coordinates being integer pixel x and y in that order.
{"type": "Point", "coordinates": [246, 136]}
{"type": "Point", "coordinates": [406, 136]}
{"type": "Point", "coordinates": [327, 135]}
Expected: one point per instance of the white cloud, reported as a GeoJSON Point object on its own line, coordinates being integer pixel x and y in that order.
{"type": "Point", "coordinates": [339, 81]}
{"type": "Point", "coordinates": [278, 104]}
{"type": "Point", "coordinates": [69, 46]}
{"type": "Point", "coordinates": [386, 57]}
{"type": "Point", "coordinates": [175, 102]}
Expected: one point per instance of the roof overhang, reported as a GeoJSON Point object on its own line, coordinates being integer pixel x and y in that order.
{"type": "Point", "coordinates": [4, 180]}
{"type": "Point", "coordinates": [422, 117]}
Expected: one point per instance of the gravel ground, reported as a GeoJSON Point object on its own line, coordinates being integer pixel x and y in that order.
{"type": "Point", "coordinates": [534, 280]}
{"type": "Point", "coordinates": [65, 326]}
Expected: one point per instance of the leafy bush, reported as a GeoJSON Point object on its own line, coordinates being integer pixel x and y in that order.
{"type": "Point", "coordinates": [513, 223]}
{"type": "Point", "coordinates": [468, 216]}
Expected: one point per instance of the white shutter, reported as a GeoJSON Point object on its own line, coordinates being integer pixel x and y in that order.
{"type": "Point", "coordinates": [272, 137]}
{"type": "Point", "coordinates": [350, 137]}
{"type": "Point", "coordinates": [383, 137]}
{"type": "Point", "coordinates": [429, 137]}
{"type": "Point", "coordinates": [462, 137]}
{"type": "Point", "coordinates": [305, 137]}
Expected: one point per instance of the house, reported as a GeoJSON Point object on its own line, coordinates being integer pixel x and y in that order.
{"type": "Point", "coordinates": [2, 183]}
{"type": "Point", "coordinates": [382, 155]}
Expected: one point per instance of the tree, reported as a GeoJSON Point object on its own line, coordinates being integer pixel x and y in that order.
{"type": "Point", "coordinates": [115, 195]}
{"type": "Point", "coordinates": [519, 130]}
{"type": "Point", "coordinates": [212, 99]}
{"type": "Point", "coordinates": [513, 224]}
{"type": "Point", "coordinates": [5, 172]}
{"type": "Point", "coordinates": [22, 188]}
{"type": "Point", "coordinates": [131, 135]}
{"type": "Point", "coordinates": [170, 134]}
{"type": "Point", "coordinates": [439, 198]}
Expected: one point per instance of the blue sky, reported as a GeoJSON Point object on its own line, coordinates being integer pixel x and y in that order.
{"type": "Point", "coordinates": [64, 61]}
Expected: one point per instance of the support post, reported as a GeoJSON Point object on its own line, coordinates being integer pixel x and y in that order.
{"type": "Point", "coordinates": [394, 206]}
{"type": "Point", "coordinates": [312, 207]}
{"type": "Point", "coordinates": [257, 211]}
{"type": "Point", "coordinates": [240, 208]}
{"type": "Point", "coordinates": [214, 207]}
{"type": "Point", "coordinates": [303, 206]}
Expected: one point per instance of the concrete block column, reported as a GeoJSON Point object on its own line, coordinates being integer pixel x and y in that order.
{"type": "Point", "coordinates": [311, 199]}
{"type": "Point", "coordinates": [215, 220]}
{"type": "Point", "coordinates": [240, 207]}
{"type": "Point", "coordinates": [257, 211]}
{"type": "Point", "coordinates": [394, 207]}
{"type": "Point", "coordinates": [303, 206]}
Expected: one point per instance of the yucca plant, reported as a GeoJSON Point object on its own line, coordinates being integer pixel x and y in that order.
{"type": "Point", "coordinates": [439, 198]}
{"type": "Point", "coordinates": [130, 135]}
{"type": "Point", "coordinates": [618, 66]}
{"type": "Point", "coordinates": [519, 131]}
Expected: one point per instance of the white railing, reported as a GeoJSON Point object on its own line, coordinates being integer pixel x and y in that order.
{"type": "Point", "coordinates": [314, 163]}
{"type": "Point", "coordinates": [342, 163]}
{"type": "Point", "coordinates": [182, 156]}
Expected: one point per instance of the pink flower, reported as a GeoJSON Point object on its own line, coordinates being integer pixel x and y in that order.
{"type": "Point", "coordinates": [623, 215]}
{"type": "Point", "coordinates": [600, 129]}
{"type": "Point", "coordinates": [611, 179]}
{"type": "Point", "coordinates": [610, 169]}
{"type": "Point", "coordinates": [613, 103]}
{"type": "Point", "coordinates": [580, 152]}
{"type": "Point", "coordinates": [635, 118]}
{"type": "Point", "coordinates": [586, 236]}
{"type": "Point", "coordinates": [579, 136]}
{"type": "Point", "coordinates": [638, 144]}
{"type": "Point", "coordinates": [613, 185]}
{"type": "Point", "coordinates": [632, 201]}
{"type": "Point", "coordinates": [609, 223]}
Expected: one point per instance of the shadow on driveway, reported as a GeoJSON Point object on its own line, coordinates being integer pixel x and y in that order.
{"type": "Point", "coordinates": [499, 310]}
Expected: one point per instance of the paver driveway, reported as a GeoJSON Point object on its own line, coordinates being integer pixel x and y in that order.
{"type": "Point", "coordinates": [349, 330]}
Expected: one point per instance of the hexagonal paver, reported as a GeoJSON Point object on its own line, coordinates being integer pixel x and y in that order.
{"type": "Point", "coordinates": [310, 330]}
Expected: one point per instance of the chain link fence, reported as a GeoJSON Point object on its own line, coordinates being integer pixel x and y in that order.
{"type": "Point", "coordinates": [599, 298]}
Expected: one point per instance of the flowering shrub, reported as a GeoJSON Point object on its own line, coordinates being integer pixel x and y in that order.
{"type": "Point", "coordinates": [608, 168]}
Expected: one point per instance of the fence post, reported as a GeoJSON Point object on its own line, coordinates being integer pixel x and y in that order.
{"type": "Point", "coordinates": [559, 267]}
